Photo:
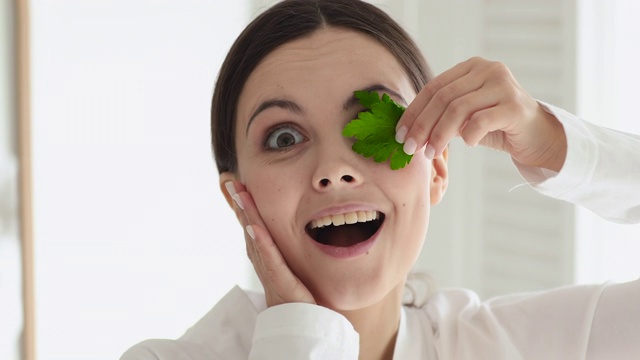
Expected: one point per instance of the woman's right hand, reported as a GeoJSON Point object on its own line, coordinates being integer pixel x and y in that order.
{"type": "Point", "coordinates": [280, 284]}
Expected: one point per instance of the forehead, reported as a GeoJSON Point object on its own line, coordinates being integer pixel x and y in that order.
{"type": "Point", "coordinates": [331, 62]}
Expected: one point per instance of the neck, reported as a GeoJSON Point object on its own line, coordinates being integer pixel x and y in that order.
{"type": "Point", "coordinates": [377, 325]}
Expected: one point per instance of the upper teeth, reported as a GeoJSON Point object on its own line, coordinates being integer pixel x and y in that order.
{"type": "Point", "coordinates": [346, 218]}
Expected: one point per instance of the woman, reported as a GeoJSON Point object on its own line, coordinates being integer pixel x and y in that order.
{"type": "Point", "coordinates": [333, 235]}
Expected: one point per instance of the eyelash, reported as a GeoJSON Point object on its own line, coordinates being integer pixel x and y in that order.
{"type": "Point", "coordinates": [273, 130]}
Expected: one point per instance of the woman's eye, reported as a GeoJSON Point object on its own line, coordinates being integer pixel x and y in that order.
{"type": "Point", "coordinates": [282, 138]}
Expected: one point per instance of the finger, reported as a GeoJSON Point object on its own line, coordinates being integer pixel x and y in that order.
{"type": "Point", "coordinates": [484, 124]}
{"type": "Point", "coordinates": [253, 254]}
{"type": "Point", "coordinates": [428, 91]}
{"type": "Point", "coordinates": [266, 257]}
{"type": "Point", "coordinates": [254, 221]}
{"type": "Point", "coordinates": [238, 208]}
{"type": "Point", "coordinates": [276, 271]}
{"type": "Point", "coordinates": [248, 216]}
{"type": "Point", "coordinates": [424, 97]}
{"type": "Point", "coordinates": [457, 114]}
{"type": "Point", "coordinates": [419, 131]}
{"type": "Point", "coordinates": [274, 266]}
{"type": "Point", "coordinates": [233, 188]}
{"type": "Point", "coordinates": [248, 213]}
{"type": "Point", "coordinates": [431, 116]}
{"type": "Point", "coordinates": [250, 210]}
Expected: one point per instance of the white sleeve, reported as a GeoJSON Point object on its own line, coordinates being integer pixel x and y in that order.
{"type": "Point", "coordinates": [303, 331]}
{"type": "Point", "coordinates": [601, 171]}
{"type": "Point", "coordinates": [239, 327]}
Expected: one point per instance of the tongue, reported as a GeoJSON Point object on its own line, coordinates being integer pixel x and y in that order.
{"type": "Point", "coordinates": [343, 236]}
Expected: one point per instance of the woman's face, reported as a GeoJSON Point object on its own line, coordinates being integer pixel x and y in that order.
{"type": "Point", "coordinates": [300, 170]}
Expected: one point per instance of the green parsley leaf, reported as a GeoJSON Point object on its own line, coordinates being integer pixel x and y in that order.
{"type": "Point", "coordinates": [375, 130]}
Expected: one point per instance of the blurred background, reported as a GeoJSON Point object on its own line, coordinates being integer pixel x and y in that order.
{"type": "Point", "coordinates": [112, 225]}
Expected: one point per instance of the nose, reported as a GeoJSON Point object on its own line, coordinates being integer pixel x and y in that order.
{"type": "Point", "coordinates": [336, 171]}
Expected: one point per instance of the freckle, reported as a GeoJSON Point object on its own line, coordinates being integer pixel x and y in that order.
{"type": "Point", "coordinates": [403, 204]}
{"type": "Point", "coordinates": [367, 253]}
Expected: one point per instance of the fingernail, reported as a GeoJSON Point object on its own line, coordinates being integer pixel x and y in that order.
{"type": "Point", "coordinates": [409, 146]}
{"type": "Point", "coordinates": [430, 152]}
{"type": "Point", "coordinates": [250, 232]}
{"type": "Point", "coordinates": [230, 188]}
{"type": "Point", "coordinates": [401, 133]}
{"type": "Point", "coordinates": [236, 198]}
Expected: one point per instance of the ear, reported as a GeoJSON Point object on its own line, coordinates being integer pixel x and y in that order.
{"type": "Point", "coordinates": [439, 177]}
{"type": "Point", "coordinates": [224, 178]}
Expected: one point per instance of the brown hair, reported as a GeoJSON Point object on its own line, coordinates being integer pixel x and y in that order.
{"type": "Point", "coordinates": [283, 22]}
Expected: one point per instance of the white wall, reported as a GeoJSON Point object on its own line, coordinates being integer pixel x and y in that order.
{"type": "Point", "coordinates": [609, 54]}
{"type": "Point", "coordinates": [132, 237]}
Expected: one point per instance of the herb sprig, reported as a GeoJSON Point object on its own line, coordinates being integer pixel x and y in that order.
{"type": "Point", "coordinates": [375, 130]}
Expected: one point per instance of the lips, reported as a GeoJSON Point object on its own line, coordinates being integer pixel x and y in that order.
{"type": "Point", "coordinates": [345, 229]}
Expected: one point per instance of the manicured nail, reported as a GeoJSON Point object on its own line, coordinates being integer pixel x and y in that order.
{"type": "Point", "coordinates": [409, 146]}
{"type": "Point", "coordinates": [230, 188]}
{"type": "Point", "coordinates": [401, 133]}
{"type": "Point", "coordinates": [236, 198]}
{"type": "Point", "coordinates": [234, 194]}
{"type": "Point", "coordinates": [430, 152]}
{"type": "Point", "coordinates": [250, 232]}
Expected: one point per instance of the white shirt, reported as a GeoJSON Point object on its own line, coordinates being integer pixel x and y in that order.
{"type": "Point", "coordinates": [601, 172]}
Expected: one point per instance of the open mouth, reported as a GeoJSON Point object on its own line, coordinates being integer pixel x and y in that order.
{"type": "Point", "coordinates": [344, 230]}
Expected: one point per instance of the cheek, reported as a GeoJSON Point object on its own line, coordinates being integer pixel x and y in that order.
{"type": "Point", "coordinates": [274, 196]}
{"type": "Point", "coordinates": [267, 194]}
{"type": "Point", "coordinates": [411, 187]}
{"type": "Point", "coordinates": [411, 183]}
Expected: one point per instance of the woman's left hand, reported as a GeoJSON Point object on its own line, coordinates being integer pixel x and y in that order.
{"type": "Point", "coordinates": [481, 101]}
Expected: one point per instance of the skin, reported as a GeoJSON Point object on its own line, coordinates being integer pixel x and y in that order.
{"type": "Point", "coordinates": [276, 193]}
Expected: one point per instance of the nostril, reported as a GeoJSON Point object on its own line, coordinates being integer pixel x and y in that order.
{"type": "Point", "coordinates": [325, 182]}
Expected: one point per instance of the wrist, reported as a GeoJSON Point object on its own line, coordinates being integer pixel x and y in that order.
{"type": "Point", "coordinates": [551, 144]}
{"type": "Point", "coordinates": [557, 152]}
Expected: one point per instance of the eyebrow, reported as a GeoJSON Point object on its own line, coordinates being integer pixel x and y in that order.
{"type": "Point", "coordinates": [353, 101]}
{"type": "Point", "coordinates": [295, 108]}
{"type": "Point", "coordinates": [278, 103]}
